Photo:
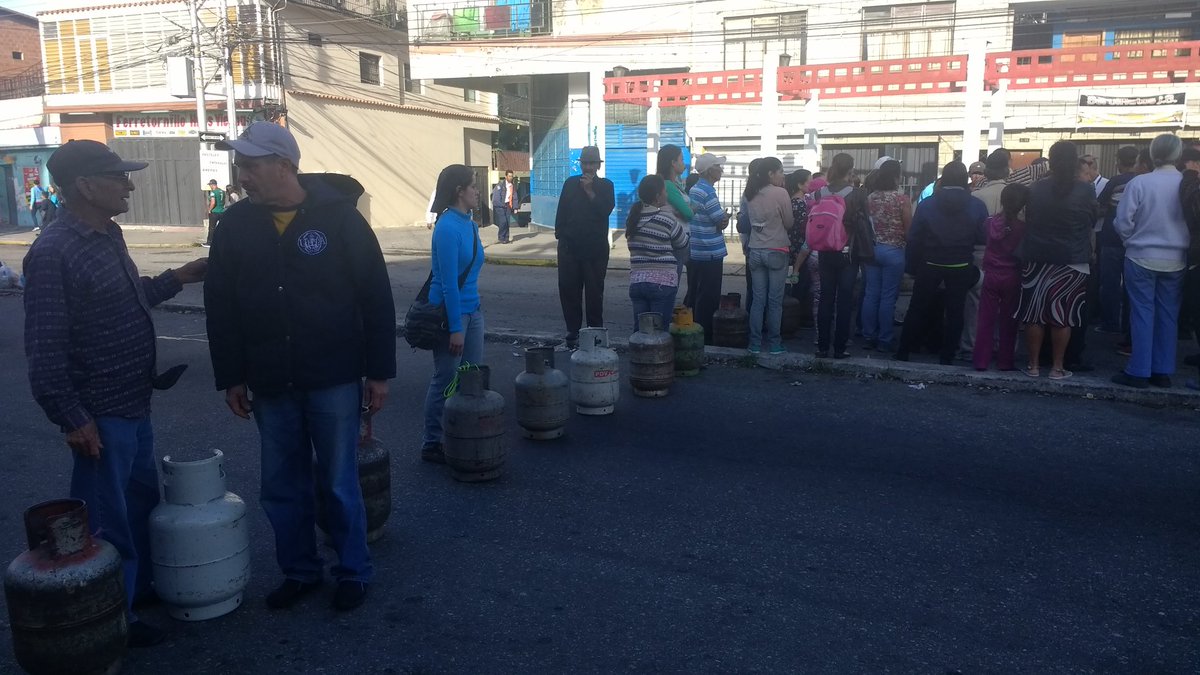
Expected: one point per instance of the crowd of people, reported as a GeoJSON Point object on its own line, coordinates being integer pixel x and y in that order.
{"type": "Point", "coordinates": [301, 319]}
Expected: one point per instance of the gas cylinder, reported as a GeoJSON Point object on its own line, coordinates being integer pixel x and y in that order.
{"type": "Point", "coordinates": [731, 323]}
{"type": "Point", "coordinates": [199, 540]}
{"type": "Point", "coordinates": [374, 480]}
{"type": "Point", "coordinates": [793, 314]}
{"type": "Point", "coordinates": [473, 428]}
{"type": "Point", "coordinates": [66, 595]}
{"type": "Point", "coordinates": [543, 396]}
{"type": "Point", "coordinates": [651, 357]}
{"type": "Point", "coordinates": [689, 342]}
{"type": "Point", "coordinates": [595, 377]}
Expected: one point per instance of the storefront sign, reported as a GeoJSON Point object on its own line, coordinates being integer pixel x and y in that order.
{"type": "Point", "coordinates": [1132, 111]}
{"type": "Point", "coordinates": [172, 124]}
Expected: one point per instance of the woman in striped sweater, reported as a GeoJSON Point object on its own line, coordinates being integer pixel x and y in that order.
{"type": "Point", "coordinates": [658, 243]}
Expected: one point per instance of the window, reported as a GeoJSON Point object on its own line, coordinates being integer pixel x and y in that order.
{"type": "Point", "coordinates": [316, 40]}
{"type": "Point", "coordinates": [368, 68]}
{"type": "Point", "coordinates": [18, 56]}
{"type": "Point", "coordinates": [908, 31]}
{"type": "Point", "coordinates": [470, 95]}
{"type": "Point", "coordinates": [1148, 35]}
{"type": "Point", "coordinates": [748, 37]}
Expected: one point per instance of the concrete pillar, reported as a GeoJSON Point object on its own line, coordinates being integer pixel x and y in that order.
{"type": "Point", "coordinates": [999, 110]}
{"type": "Point", "coordinates": [810, 156]}
{"type": "Point", "coordinates": [596, 112]}
{"type": "Point", "coordinates": [653, 122]}
{"type": "Point", "coordinates": [578, 110]}
{"type": "Point", "coordinates": [973, 110]}
{"type": "Point", "coordinates": [769, 117]}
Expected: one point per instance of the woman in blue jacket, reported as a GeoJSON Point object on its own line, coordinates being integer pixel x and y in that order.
{"type": "Point", "coordinates": [456, 247]}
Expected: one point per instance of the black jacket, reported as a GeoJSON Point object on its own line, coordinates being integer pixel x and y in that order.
{"type": "Point", "coordinates": [1058, 227]}
{"type": "Point", "coordinates": [308, 309]}
{"type": "Point", "coordinates": [945, 229]}
{"type": "Point", "coordinates": [582, 222]}
{"type": "Point", "coordinates": [1189, 199]}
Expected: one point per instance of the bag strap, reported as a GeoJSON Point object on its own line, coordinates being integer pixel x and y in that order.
{"type": "Point", "coordinates": [423, 296]}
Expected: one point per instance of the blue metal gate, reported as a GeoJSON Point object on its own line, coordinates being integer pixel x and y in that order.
{"type": "Point", "coordinates": [625, 160]}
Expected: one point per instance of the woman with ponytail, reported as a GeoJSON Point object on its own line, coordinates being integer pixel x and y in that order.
{"type": "Point", "coordinates": [456, 249]}
{"type": "Point", "coordinates": [1057, 252]}
{"type": "Point", "coordinates": [658, 244]}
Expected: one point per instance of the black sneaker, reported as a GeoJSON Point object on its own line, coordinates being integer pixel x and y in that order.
{"type": "Point", "coordinates": [1130, 381]}
{"type": "Point", "coordinates": [572, 342]}
{"type": "Point", "coordinates": [142, 634]}
{"type": "Point", "coordinates": [432, 452]}
{"type": "Point", "coordinates": [1191, 360]}
{"type": "Point", "coordinates": [289, 592]}
{"type": "Point", "coordinates": [822, 354]}
{"type": "Point", "coordinates": [1160, 380]}
{"type": "Point", "coordinates": [900, 356]}
{"type": "Point", "coordinates": [349, 595]}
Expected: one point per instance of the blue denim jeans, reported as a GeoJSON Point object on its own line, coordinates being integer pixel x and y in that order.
{"type": "Point", "coordinates": [294, 425]}
{"type": "Point", "coordinates": [1112, 293]}
{"type": "Point", "coordinates": [445, 365]}
{"type": "Point", "coordinates": [121, 489]}
{"type": "Point", "coordinates": [647, 297]}
{"type": "Point", "coordinates": [1154, 299]}
{"type": "Point", "coordinates": [883, 277]}
{"type": "Point", "coordinates": [769, 270]}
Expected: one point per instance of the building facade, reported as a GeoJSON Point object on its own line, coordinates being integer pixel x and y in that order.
{"type": "Point", "coordinates": [25, 142]}
{"type": "Point", "coordinates": [922, 81]}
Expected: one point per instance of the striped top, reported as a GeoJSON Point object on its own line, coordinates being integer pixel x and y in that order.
{"type": "Point", "coordinates": [705, 227]}
{"type": "Point", "coordinates": [652, 248]}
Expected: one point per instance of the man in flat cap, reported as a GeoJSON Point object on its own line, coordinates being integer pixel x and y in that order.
{"type": "Point", "coordinates": [90, 343]}
{"type": "Point", "coordinates": [581, 227]}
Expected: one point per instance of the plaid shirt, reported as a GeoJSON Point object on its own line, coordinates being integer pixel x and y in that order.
{"type": "Point", "coordinates": [89, 338]}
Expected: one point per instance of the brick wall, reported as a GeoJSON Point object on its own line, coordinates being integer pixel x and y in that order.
{"type": "Point", "coordinates": [18, 34]}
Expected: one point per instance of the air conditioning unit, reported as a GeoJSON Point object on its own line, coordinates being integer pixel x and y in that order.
{"type": "Point", "coordinates": [181, 82]}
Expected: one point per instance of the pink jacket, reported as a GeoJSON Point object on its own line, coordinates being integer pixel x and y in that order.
{"type": "Point", "coordinates": [1000, 266]}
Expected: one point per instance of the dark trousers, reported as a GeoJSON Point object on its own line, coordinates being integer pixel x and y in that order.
{"type": "Point", "coordinates": [501, 216]}
{"type": "Point", "coordinates": [580, 286]}
{"type": "Point", "coordinates": [838, 274]}
{"type": "Point", "coordinates": [704, 291]}
{"type": "Point", "coordinates": [212, 225]}
{"type": "Point", "coordinates": [957, 282]}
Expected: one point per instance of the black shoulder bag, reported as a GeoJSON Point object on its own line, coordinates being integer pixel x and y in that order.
{"type": "Point", "coordinates": [426, 325]}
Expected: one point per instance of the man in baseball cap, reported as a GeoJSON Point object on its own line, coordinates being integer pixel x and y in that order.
{"type": "Point", "coordinates": [89, 339]}
{"type": "Point", "coordinates": [977, 173]}
{"type": "Point", "coordinates": [266, 154]}
{"type": "Point", "coordinates": [884, 160]}
{"type": "Point", "coordinates": [707, 161]}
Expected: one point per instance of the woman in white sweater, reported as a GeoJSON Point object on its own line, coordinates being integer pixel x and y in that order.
{"type": "Point", "coordinates": [1150, 223]}
{"type": "Point", "coordinates": [770, 219]}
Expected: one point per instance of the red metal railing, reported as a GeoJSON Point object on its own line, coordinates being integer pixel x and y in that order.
{"type": "Point", "coordinates": [894, 77]}
{"type": "Point", "coordinates": [1164, 63]}
{"type": "Point", "coordinates": [680, 89]}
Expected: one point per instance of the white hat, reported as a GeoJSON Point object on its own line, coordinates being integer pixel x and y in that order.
{"type": "Point", "coordinates": [883, 160]}
{"type": "Point", "coordinates": [265, 138]}
{"type": "Point", "coordinates": [707, 161]}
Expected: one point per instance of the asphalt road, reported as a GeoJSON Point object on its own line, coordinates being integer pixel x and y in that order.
{"type": "Point", "coordinates": [752, 521]}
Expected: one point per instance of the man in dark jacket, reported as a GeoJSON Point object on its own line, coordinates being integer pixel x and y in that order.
{"type": "Point", "coordinates": [1189, 199]}
{"type": "Point", "coordinates": [581, 227]}
{"type": "Point", "coordinates": [299, 311]}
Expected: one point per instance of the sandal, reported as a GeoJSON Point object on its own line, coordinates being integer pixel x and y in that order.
{"type": "Point", "coordinates": [1060, 374]}
{"type": "Point", "coordinates": [1032, 371]}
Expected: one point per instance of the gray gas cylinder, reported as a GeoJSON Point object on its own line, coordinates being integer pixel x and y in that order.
{"type": "Point", "coordinates": [543, 396]}
{"type": "Point", "coordinates": [651, 357]}
{"type": "Point", "coordinates": [595, 376]}
{"type": "Point", "coordinates": [199, 540]}
{"type": "Point", "coordinates": [473, 430]}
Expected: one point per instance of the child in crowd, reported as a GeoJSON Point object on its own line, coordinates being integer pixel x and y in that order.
{"type": "Point", "coordinates": [1001, 281]}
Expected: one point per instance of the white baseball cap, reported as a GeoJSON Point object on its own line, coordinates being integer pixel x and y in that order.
{"type": "Point", "coordinates": [264, 138]}
{"type": "Point", "coordinates": [707, 161]}
{"type": "Point", "coordinates": [883, 160]}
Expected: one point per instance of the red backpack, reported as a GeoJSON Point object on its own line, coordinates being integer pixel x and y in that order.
{"type": "Point", "coordinates": [826, 231]}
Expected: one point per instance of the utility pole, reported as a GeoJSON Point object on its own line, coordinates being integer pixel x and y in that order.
{"type": "Point", "coordinates": [198, 67]}
{"type": "Point", "coordinates": [230, 102]}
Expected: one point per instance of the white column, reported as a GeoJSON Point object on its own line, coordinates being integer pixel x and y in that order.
{"type": "Point", "coordinates": [230, 101]}
{"type": "Point", "coordinates": [578, 110]}
{"type": "Point", "coordinates": [999, 111]}
{"type": "Point", "coordinates": [596, 112]}
{"type": "Point", "coordinates": [810, 156]}
{"type": "Point", "coordinates": [653, 121]}
{"type": "Point", "coordinates": [198, 67]}
{"type": "Point", "coordinates": [770, 103]}
{"type": "Point", "coordinates": [973, 110]}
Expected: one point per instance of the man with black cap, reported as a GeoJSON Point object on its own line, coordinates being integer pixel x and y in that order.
{"type": "Point", "coordinates": [581, 227]}
{"type": "Point", "coordinates": [299, 310]}
{"type": "Point", "coordinates": [90, 343]}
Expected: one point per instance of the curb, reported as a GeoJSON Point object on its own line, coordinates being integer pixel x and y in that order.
{"type": "Point", "coordinates": [1080, 386]}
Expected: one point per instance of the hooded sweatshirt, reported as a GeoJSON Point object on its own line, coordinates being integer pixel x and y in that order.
{"type": "Point", "coordinates": [947, 227]}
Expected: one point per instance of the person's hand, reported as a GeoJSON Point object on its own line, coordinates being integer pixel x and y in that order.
{"type": "Point", "coordinates": [193, 271]}
{"type": "Point", "coordinates": [86, 440]}
{"type": "Point", "coordinates": [1191, 165]}
{"type": "Point", "coordinates": [239, 401]}
{"type": "Point", "coordinates": [586, 182]}
{"type": "Point", "coordinates": [457, 340]}
{"type": "Point", "coordinates": [376, 393]}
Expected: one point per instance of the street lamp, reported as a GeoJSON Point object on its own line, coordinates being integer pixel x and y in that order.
{"type": "Point", "coordinates": [785, 60]}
